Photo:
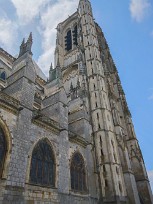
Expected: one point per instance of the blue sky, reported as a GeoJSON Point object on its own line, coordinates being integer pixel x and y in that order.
{"type": "Point", "coordinates": [128, 28]}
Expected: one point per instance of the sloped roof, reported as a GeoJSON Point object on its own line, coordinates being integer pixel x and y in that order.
{"type": "Point", "coordinates": [7, 54]}
{"type": "Point", "coordinates": [39, 72]}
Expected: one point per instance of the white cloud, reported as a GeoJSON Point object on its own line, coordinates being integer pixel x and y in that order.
{"type": "Point", "coordinates": [8, 33]}
{"type": "Point", "coordinates": [48, 14]}
{"type": "Point", "coordinates": [29, 9]}
{"type": "Point", "coordinates": [50, 18]}
{"type": "Point", "coordinates": [150, 174]}
{"type": "Point", "coordinates": [139, 9]}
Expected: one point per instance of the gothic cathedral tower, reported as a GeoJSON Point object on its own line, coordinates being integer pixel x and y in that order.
{"type": "Point", "coordinates": [70, 138]}
{"type": "Point", "coordinates": [89, 73]}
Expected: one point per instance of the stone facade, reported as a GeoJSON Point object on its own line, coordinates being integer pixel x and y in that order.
{"type": "Point", "coordinates": [81, 109]}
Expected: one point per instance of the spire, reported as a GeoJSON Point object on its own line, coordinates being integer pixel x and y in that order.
{"type": "Point", "coordinates": [50, 72]}
{"type": "Point", "coordinates": [25, 47]}
{"type": "Point", "coordinates": [58, 63]}
{"type": "Point", "coordinates": [58, 69]}
{"type": "Point", "coordinates": [22, 47]}
{"type": "Point", "coordinates": [30, 37]}
{"type": "Point", "coordinates": [29, 44]}
{"type": "Point", "coordinates": [51, 67]}
{"type": "Point", "coordinates": [23, 42]}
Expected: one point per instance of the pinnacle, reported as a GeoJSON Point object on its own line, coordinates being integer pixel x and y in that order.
{"type": "Point", "coordinates": [30, 37]}
{"type": "Point", "coordinates": [23, 41]}
{"type": "Point", "coordinates": [51, 66]}
{"type": "Point", "coordinates": [58, 63]}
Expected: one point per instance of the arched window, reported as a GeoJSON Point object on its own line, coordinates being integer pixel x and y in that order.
{"type": "Point", "coordinates": [3, 150]}
{"type": "Point", "coordinates": [42, 171]}
{"type": "Point", "coordinates": [68, 41]}
{"type": "Point", "coordinates": [3, 75]}
{"type": "Point", "coordinates": [78, 175]}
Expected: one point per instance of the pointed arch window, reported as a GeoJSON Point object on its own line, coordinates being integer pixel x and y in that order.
{"type": "Point", "coordinates": [3, 75]}
{"type": "Point", "coordinates": [78, 175]}
{"type": "Point", "coordinates": [68, 41]}
{"type": "Point", "coordinates": [42, 171]}
{"type": "Point", "coordinates": [3, 150]}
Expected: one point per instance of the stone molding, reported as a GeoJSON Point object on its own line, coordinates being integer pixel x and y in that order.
{"type": "Point", "coordinates": [9, 103]}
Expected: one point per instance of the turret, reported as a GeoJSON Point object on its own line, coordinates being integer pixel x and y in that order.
{"type": "Point", "coordinates": [55, 73]}
{"type": "Point", "coordinates": [26, 47]}
{"type": "Point", "coordinates": [22, 80]}
{"type": "Point", "coordinates": [29, 44]}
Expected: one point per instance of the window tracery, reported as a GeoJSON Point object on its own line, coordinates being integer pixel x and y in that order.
{"type": "Point", "coordinates": [42, 171]}
{"type": "Point", "coordinates": [78, 175]}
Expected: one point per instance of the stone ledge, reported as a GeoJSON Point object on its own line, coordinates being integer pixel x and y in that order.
{"type": "Point", "coordinates": [45, 122]}
{"type": "Point", "coordinates": [9, 103]}
{"type": "Point", "coordinates": [78, 139]}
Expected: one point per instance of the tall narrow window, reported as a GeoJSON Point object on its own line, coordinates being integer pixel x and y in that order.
{"type": "Point", "coordinates": [75, 35]}
{"type": "Point", "coordinates": [42, 171]}
{"type": "Point", "coordinates": [68, 41]}
{"type": "Point", "coordinates": [2, 151]}
{"type": "Point", "coordinates": [78, 175]}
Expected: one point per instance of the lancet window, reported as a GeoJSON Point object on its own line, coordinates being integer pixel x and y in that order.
{"type": "Point", "coordinates": [3, 149]}
{"type": "Point", "coordinates": [78, 175]}
{"type": "Point", "coordinates": [68, 41]}
{"type": "Point", "coordinates": [42, 171]}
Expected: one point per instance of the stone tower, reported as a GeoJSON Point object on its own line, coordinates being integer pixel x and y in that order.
{"type": "Point", "coordinates": [119, 163]}
{"type": "Point", "coordinates": [69, 138]}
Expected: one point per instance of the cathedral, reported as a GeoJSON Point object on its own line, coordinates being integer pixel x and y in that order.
{"type": "Point", "coordinates": [69, 138]}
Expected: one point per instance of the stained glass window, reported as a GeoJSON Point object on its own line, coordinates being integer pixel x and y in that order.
{"type": "Point", "coordinates": [78, 175]}
{"type": "Point", "coordinates": [42, 171]}
{"type": "Point", "coordinates": [2, 150]}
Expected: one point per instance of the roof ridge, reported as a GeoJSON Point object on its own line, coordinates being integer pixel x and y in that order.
{"type": "Point", "coordinates": [9, 55]}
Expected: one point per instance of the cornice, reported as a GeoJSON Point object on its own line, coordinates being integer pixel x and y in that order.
{"type": "Point", "coordinates": [78, 139]}
{"type": "Point", "coordinates": [9, 103]}
{"type": "Point", "coordinates": [45, 122]}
